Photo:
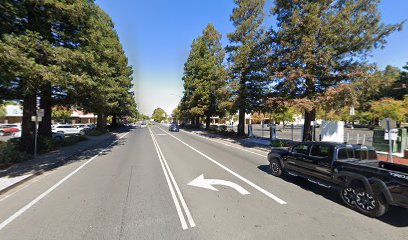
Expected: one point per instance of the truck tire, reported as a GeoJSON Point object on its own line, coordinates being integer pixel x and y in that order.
{"type": "Point", "coordinates": [275, 167]}
{"type": "Point", "coordinates": [348, 195]}
{"type": "Point", "coordinates": [372, 205]}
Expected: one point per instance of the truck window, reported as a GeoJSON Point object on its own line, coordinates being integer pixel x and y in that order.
{"type": "Point", "coordinates": [345, 153]}
{"type": "Point", "coordinates": [320, 151]}
{"type": "Point", "coordinates": [372, 155]}
{"type": "Point", "coordinates": [342, 154]}
{"type": "Point", "coordinates": [301, 149]}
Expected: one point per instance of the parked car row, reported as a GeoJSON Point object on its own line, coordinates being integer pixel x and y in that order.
{"type": "Point", "coordinates": [364, 183]}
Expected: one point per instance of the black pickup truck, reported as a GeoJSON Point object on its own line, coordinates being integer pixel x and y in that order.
{"type": "Point", "coordinates": [364, 183]}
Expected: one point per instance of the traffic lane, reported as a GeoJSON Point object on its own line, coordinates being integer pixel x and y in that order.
{"type": "Point", "coordinates": [118, 195]}
{"type": "Point", "coordinates": [11, 201]}
{"type": "Point", "coordinates": [318, 207]}
{"type": "Point", "coordinates": [222, 214]}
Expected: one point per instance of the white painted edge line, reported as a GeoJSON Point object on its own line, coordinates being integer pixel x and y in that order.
{"type": "Point", "coordinates": [172, 192]}
{"type": "Point", "coordinates": [226, 144]}
{"type": "Point", "coordinates": [270, 195]}
{"type": "Point", "coordinates": [41, 196]}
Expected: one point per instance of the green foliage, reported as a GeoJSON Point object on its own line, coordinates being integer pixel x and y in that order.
{"type": "Point", "coordinates": [246, 57]}
{"type": "Point", "coordinates": [159, 115]}
{"type": "Point", "coordinates": [204, 77]}
{"type": "Point", "coordinates": [95, 132]}
{"type": "Point", "coordinates": [389, 108]}
{"type": "Point", "coordinates": [320, 44]}
{"type": "Point", "coordinates": [10, 152]}
{"type": "Point", "coordinates": [71, 140]}
{"type": "Point", "coordinates": [46, 144]}
{"type": "Point", "coordinates": [279, 143]}
{"type": "Point", "coordinates": [61, 113]}
{"type": "Point", "coordinates": [2, 111]}
{"type": "Point", "coordinates": [65, 53]}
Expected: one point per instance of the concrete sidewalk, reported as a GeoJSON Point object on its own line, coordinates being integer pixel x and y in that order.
{"type": "Point", "coordinates": [18, 173]}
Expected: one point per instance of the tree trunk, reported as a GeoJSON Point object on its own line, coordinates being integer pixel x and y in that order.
{"type": "Point", "coordinates": [27, 126]}
{"type": "Point", "coordinates": [114, 120]}
{"type": "Point", "coordinates": [197, 122]}
{"type": "Point", "coordinates": [207, 122]}
{"type": "Point", "coordinates": [46, 104]}
{"type": "Point", "coordinates": [101, 122]}
{"type": "Point", "coordinates": [307, 130]}
{"type": "Point", "coordinates": [241, 123]}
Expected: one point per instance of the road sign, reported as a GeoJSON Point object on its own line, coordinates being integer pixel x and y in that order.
{"type": "Point", "coordinates": [36, 119]}
{"type": "Point", "coordinates": [393, 135]}
{"type": "Point", "coordinates": [383, 123]}
{"type": "Point", "coordinates": [201, 182]}
{"type": "Point", "coordinates": [40, 112]}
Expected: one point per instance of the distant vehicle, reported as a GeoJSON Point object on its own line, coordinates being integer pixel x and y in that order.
{"type": "Point", "coordinates": [143, 124]}
{"type": "Point", "coordinates": [58, 136]}
{"type": "Point", "coordinates": [9, 129]}
{"type": "Point", "coordinates": [174, 127]}
{"type": "Point", "coordinates": [364, 184]}
{"type": "Point", "coordinates": [67, 129]}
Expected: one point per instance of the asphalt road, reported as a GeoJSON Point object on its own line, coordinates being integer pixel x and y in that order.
{"type": "Point", "coordinates": [138, 188]}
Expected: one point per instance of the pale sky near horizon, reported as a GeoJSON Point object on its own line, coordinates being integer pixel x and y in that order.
{"type": "Point", "coordinates": [156, 36]}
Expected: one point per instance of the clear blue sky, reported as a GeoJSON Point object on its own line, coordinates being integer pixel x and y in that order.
{"type": "Point", "coordinates": [156, 36]}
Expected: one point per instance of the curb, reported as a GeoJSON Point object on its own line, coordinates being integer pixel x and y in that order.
{"type": "Point", "coordinates": [41, 171]}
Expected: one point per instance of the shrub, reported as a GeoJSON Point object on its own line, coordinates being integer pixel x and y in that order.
{"type": "Point", "coordinates": [279, 143]}
{"type": "Point", "coordinates": [96, 132]}
{"type": "Point", "coordinates": [46, 144]}
{"type": "Point", "coordinates": [71, 140]}
{"type": "Point", "coordinates": [10, 152]}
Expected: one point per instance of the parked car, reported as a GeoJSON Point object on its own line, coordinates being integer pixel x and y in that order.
{"type": "Point", "coordinates": [364, 184]}
{"type": "Point", "coordinates": [174, 127]}
{"type": "Point", "coordinates": [67, 129]}
{"type": "Point", "coordinates": [9, 129]}
{"type": "Point", "coordinates": [58, 136]}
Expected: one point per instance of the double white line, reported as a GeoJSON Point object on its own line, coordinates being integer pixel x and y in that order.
{"type": "Point", "coordinates": [171, 182]}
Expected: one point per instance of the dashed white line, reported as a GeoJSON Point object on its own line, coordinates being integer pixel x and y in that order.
{"type": "Point", "coordinates": [270, 195]}
{"type": "Point", "coordinates": [37, 199]}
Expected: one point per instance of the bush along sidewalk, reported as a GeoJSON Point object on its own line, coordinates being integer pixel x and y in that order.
{"type": "Point", "coordinates": [11, 151]}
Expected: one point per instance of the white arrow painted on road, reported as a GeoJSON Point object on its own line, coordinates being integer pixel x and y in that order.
{"type": "Point", "coordinates": [200, 181]}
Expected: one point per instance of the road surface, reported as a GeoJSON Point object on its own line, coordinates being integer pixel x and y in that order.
{"type": "Point", "coordinates": [152, 184]}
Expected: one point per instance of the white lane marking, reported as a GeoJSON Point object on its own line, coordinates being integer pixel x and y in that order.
{"type": "Point", "coordinates": [226, 144]}
{"type": "Point", "coordinates": [169, 177]}
{"type": "Point", "coordinates": [183, 202]}
{"type": "Point", "coordinates": [161, 134]}
{"type": "Point", "coordinates": [201, 182]}
{"type": "Point", "coordinates": [270, 195]}
{"type": "Point", "coordinates": [37, 199]}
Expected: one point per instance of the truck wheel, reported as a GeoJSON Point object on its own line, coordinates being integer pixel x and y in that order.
{"type": "Point", "coordinates": [349, 196]}
{"type": "Point", "coordinates": [275, 167]}
{"type": "Point", "coordinates": [370, 205]}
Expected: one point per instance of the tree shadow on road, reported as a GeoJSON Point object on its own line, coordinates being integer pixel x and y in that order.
{"type": "Point", "coordinates": [396, 216]}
